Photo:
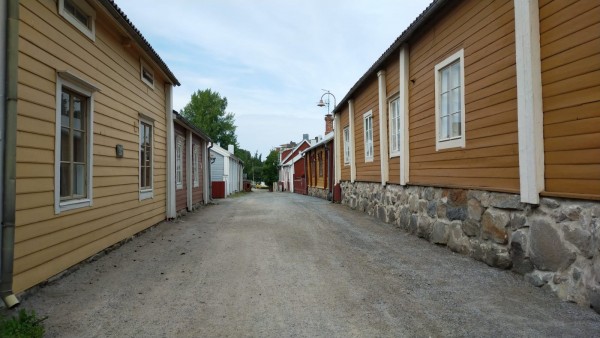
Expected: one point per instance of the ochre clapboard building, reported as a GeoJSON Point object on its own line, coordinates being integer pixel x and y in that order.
{"type": "Point", "coordinates": [479, 129]}
{"type": "Point", "coordinates": [94, 134]}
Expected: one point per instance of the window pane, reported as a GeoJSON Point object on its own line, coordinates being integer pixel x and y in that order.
{"type": "Point", "coordinates": [444, 127]}
{"type": "Point", "coordinates": [78, 122]}
{"type": "Point", "coordinates": [143, 155]}
{"type": "Point", "coordinates": [456, 124]}
{"type": "Point", "coordinates": [444, 80]}
{"type": "Point", "coordinates": [149, 177]}
{"type": "Point", "coordinates": [455, 75]}
{"type": "Point", "coordinates": [65, 154]}
{"type": "Point", "coordinates": [65, 189]}
{"type": "Point", "coordinates": [64, 111]}
{"type": "Point", "coordinates": [455, 100]}
{"type": "Point", "coordinates": [142, 176]}
{"type": "Point", "coordinates": [79, 179]}
{"type": "Point", "coordinates": [444, 105]}
{"type": "Point", "coordinates": [78, 146]}
{"type": "Point", "coordinates": [148, 136]}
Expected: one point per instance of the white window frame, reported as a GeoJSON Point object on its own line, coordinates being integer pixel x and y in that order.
{"type": "Point", "coordinates": [74, 83]}
{"type": "Point", "coordinates": [144, 66]}
{"type": "Point", "coordinates": [146, 193]}
{"type": "Point", "coordinates": [347, 145]}
{"type": "Point", "coordinates": [368, 135]}
{"type": "Point", "coordinates": [196, 165]}
{"type": "Point", "coordinates": [394, 124]}
{"type": "Point", "coordinates": [179, 150]}
{"type": "Point", "coordinates": [458, 141]}
{"type": "Point", "coordinates": [83, 6]}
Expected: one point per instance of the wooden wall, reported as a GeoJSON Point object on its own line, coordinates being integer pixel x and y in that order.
{"type": "Point", "coordinates": [181, 193]}
{"type": "Point", "coordinates": [570, 53]}
{"type": "Point", "coordinates": [47, 244]}
{"type": "Point", "coordinates": [344, 122]}
{"type": "Point", "coordinates": [485, 29]}
{"type": "Point", "coordinates": [198, 192]}
{"type": "Point", "coordinates": [367, 99]}
{"type": "Point", "coordinates": [392, 85]}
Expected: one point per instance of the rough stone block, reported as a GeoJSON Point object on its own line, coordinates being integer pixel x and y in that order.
{"type": "Point", "coordinates": [391, 215]}
{"type": "Point", "coordinates": [538, 278]}
{"type": "Point", "coordinates": [381, 213]}
{"type": "Point", "coordinates": [457, 241]}
{"type": "Point", "coordinates": [572, 212]}
{"type": "Point", "coordinates": [547, 249]}
{"type": "Point", "coordinates": [413, 203]}
{"type": "Point", "coordinates": [549, 203]}
{"type": "Point", "coordinates": [456, 213]}
{"type": "Point", "coordinates": [474, 209]}
{"type": "Point", "coordinates": [404, 218]}
{"type": "Point", "coordinates": [493, 225]}
{"type": "Point", "coordinates": [457, 197]}
{"type": "Point", "coordinates": [517, 221]}
{"type": "Point", "coordinates": [429, 193]}
{"type": "Point", "coordinates": [441, 210]}
{"type": "Point", "coordinates": [440, 233]}
{"type": "Point", "coordinates": [582, 239]}
{"type": "Point", "coordinates": [422, 207]}
{"type": "Point", "coordinates": [519, 252]}
{"type": "Point", "coordinates": [506, 201]}
{"type": "Point", "coordinates": [424, 227]}
{"type": "Point", "coordinates": [432, 209]}
{"type": "Point", "coordinates": [412, 225]}
{"type": "Point", "coordinates": [471, 228]}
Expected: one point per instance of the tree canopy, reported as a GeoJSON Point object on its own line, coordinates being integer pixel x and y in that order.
{"type": "Point", "coordinates": [206, 110]}
{"type": "Point", "coordinates": [270, 171]}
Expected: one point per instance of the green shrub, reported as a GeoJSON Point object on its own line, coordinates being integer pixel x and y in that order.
{"type": "Point", "coordinates": [23, 325]}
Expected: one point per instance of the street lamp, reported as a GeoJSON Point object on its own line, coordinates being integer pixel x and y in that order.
{"type": "Point", "coordinates": [322, 103]}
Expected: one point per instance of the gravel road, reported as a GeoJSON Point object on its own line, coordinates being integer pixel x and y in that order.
{"type": "Point", "coordinates": [284, 265]}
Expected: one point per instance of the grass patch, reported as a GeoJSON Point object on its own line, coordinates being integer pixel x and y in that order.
{"type": "Point", "coordinates": [23, 325]}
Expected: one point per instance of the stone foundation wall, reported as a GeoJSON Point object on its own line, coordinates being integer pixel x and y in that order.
{"type": "Point", "coordinates": [318, 192]}
{"type": "Point", "coordinates": [555, 245]}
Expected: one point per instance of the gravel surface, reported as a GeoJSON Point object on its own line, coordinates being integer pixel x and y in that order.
{"type": "Point", "coordinates": [284, 265]}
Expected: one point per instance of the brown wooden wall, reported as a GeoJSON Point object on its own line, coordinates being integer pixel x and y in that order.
{"type": "Point", "coordinates": [365, 99]}
{"type": "Point", "coordinates": [47, 244]}
{"type": "Point", "coordinates": [181, 193]}
{"type": "Point", "coordinates": [570, 54]}
{"type": "Point", "coordinates": [344, 122]}
{"type": "Point", "coordinates": [198, 193]}
{"type": "Point", "coordinates": [485, 29]}
{"type": "Point", "coordinates": [392, 84]}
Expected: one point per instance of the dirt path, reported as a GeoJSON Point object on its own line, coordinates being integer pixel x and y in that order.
{"type": "Point", "coordinates": [281, 265]}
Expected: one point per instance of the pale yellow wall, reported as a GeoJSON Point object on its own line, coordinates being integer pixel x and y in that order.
{"type": "Point", "coordinates": [46, 243]}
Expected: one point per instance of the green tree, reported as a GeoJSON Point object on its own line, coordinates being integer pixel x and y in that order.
{"type": "Point", "coordinates": [270, 171]}
{"type": "Point", "coordinates": [206, 110]}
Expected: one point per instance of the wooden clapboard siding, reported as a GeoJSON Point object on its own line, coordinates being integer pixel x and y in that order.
{"type": "Point", "coordinates": [392, 86]}
{"type": "Point", "coordinates": [181, 193]}
{"type": "Point", "coordinates": [344, 123]}
{"type": "Point", "coordinates": [570, 52]}
{"type": "Point", "coordinates": [367, 99]}
{"type": "Point", "coordinates": [198, 192]}
{"type": "Point", "coordinates": [45, 243]}
{"type": "Point", "coordinates": [485, 30]}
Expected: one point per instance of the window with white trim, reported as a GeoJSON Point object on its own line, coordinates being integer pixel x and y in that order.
{"type": "Point", "coordinates": [450, 102]}
{"type": "Point", "coordinates": [196, 165]}
{"type": "Point", "coordinates": [146, 74]}
{"type": "Point", "coordinates": [347, 145]}
{"type": "Point", "coordinates": [73, 143]}
{"type": "Point", "coordinates": [179, 162]}
{"type": "Point", "coordinates": [395, 133]}
{"type": "Point", "coordinates": [146, 159]}
{"type": "Point", "coordinates": [79, 14]}
{"type": "Point", "coordinates": [368, 131]}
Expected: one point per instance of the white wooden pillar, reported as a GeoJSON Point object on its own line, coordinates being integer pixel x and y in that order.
{"type": "Point", "coordinates": [171, 208]}
{"type": "Point", "coordinates": [189, 159]}
{"type": "Point", "coordinates": [404, 141]}
{"type": "Point", "coordinates": [337, 144]}
{"type": "Point", "coordinates": [352, 141]}
{"type": "Point", "coordinates": [383, 135]}
{"type": "Point", "coordinates": [529, 100]}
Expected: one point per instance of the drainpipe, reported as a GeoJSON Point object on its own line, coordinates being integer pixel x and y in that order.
{"type": "Point", "coordinates": [208, 176]}
{"type": "Point", "coordinates": [9, 76]}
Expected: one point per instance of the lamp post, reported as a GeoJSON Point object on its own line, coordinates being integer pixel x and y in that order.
{"type": "Point", "coordinates": [322, 103]}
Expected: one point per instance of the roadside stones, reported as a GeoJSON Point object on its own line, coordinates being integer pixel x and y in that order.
{"type": "Point", "coordinates": [556, 244]}
{"type": "Point", "coordinates": [548, 252]}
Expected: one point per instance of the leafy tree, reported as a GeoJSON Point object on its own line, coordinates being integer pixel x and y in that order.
{"type": "Point", "coordinates": [252, 164]}
{"type": "Point", "coordinates": [206, 110]}
{"type": "Point", "coordinates": [270, 172]}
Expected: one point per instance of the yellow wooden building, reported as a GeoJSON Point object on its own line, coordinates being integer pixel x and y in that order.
{"type": "Point", "coordinates": [88, 120]}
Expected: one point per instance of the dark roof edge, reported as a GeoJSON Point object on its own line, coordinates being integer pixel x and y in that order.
{"type": "Point", "coordinates": [190, 126]}
{"type": "Point", "coordinates": [432, 9]}
{"type": "Point", "coordinates": [122, 19]}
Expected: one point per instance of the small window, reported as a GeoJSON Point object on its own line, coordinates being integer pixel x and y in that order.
{"type": "Point", "coordinates": [146, 159]}
{"type": "Point", "coordinates": [73, 143]}
{"type": "Point", "coordinates": [450, 102]}
{"type": "Point", "coordinates": [394, 127]}
{"type": "Point", "coordinates": [196, 165]}
{"type": "Point", "coordinates": [80, 14]}
{"type": "Point", "coordinates": [179, 163]}
{"type": "Point", "coordinates": [346, 145]}
{"type": "Point", "coordinates": [368, 130]}
{"type": "Point", "coordinates": [146, 73]}
{"type": "Point", "coordinates": [320, 159]}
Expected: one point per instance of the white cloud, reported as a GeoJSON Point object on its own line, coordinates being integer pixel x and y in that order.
{"type": "Point", "coordinates": [270, 58]}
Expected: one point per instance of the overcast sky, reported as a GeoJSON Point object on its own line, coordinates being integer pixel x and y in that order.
{"type": "Point", "coordinates": [271, 59]}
